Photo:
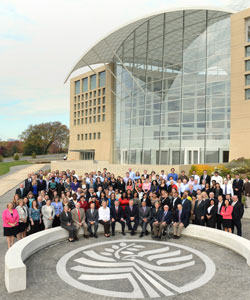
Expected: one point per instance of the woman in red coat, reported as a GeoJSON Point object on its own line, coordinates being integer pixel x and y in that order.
{"type": "Point", "coordinates": [226, 213]}
{"type": "Point", "coordinates": [10, 223]}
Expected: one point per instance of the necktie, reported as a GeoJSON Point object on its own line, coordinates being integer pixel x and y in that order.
{"type": "Point", "coordinates": [225, 189]}
{"type": "Point", "coordinates": [79, 215]}
{"type": "Point", "coordinates": [179, 216]}
{"type": "Point", "coordinates": [164, 215]}
{"type": "Point", "coordinates": [92, 211]}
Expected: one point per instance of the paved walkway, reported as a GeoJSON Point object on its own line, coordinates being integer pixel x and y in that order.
{"type": "Point", "coordinates": [13, 179]}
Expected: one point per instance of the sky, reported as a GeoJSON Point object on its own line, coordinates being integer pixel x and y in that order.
{"type": "Point", "coordinates": [41, 40]}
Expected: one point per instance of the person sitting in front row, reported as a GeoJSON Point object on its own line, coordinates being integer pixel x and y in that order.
{"type": "Point", "coordinates": [132, 215]}
{"type": "Point", "coordinates": [92, 217]}
{"type": "Point", "coordinates": [163, 220]}
{"type": "Point", "coordinates": [181, 220]}
{"type": "Point", "coordinates": [144, 217]}
{"type": "Point", "coordinates": [116, 214]}
{"type": "Point", "coordinates": [67, 223]}
{"type": "Point", "coordinates": [104, 217]}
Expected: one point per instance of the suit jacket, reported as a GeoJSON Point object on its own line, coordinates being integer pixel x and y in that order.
{"type": "Point", "coordinates": [134, 213]}
{"type": "Point", "coordinates": [175, 202]}
{"type": "Point", "coordinates": [184, 217]}
{"type": "Point", "coordinates": [75, 216]}
{"type": "Point", "coordinates": [146, 214]}
{"type": "Point", "coordinates": [238, 185]}
{"type": "Point", "coordinates": [28, 185]}
{"type": "Point", "coordinates": [212, 213]}
{"type": "Point", "coordinates": [117, 216]}
{"type": "Point", "coordinates": [208, 179]}
{"type": "Point", "coordinates": [238, 211]}
{"type": "Point", "coordinates": [20, 193]}
{"type": "Point", "coordinates": [92, 217]}
{"type": "Point", "coordinates": [200, 210]}
{"type": "Point", "coordinates": [186, 205]}
{"type": "Point", "coordinates": [166, 201]}
{"type": "Point", "coordinates": [41, 185]}
{"type": "Point", "coordinates": [154, 214]}
{"type": "Point", "coordinates": [168, 218]}
{"type": "Point", "coordinates": [64, 219]}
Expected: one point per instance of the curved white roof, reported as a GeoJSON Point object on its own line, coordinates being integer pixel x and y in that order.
{"type": "Point", "coordinates": [101, 53]}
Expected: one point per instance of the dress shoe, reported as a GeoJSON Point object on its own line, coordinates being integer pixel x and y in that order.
{"type": "Point", "coordinates": [141, 235]}
{"type": "Point", "coordinates": [154, 236]}
{"type": "Point", "coordinates": [132, 232]}
{"type": "Point", "coordinates": [175, 237]}
{"type": "Point", "coordinates": [91, 235]}
{"type": "Point", "coordinates": [123, 233]}
{"type": "Point", "coordinates": [146, 232]}
{"type": "Point", "coordinates": [113, 234]}
{"type": "Point", "coordinates": [76, 238]}
{"type": "Point", "coordinates": [86, 236]}
{"type": "Point", "coordinates": [95, 235]}
{"type": "Point", "coordinates": [159, 237]}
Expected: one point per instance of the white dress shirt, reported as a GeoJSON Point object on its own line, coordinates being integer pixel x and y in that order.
{"type": "Point", "coordinates": [104, 213]}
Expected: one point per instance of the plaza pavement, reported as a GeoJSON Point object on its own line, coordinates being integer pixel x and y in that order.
{"type": "Point", "coordinates": [231, 280]}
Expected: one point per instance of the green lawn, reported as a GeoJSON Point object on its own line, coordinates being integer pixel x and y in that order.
{"type": "Point", "coordinates": [5, 166]}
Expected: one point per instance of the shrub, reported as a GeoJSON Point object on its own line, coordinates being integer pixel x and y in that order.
{"type": "Point", "coordinates": [16, 156]}
{"type": "Point", "coordinates": [33, 155]}
{"type": "Point", "coordinates": [1, 158]}
{"type": "Point", "coordinates": [200, 168]}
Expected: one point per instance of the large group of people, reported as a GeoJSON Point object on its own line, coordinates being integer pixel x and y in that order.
{"type": "Point", "coordinates": [149, 200]}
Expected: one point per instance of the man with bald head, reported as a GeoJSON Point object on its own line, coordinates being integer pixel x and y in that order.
{"type": "Point", "coordinates": [132, 216]}
{"type": "Point", "coordinates": [78, 217]}
{"type": "Point", "coordinates": [163, 220]}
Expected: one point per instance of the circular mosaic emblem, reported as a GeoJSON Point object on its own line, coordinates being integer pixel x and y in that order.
{"type": "Point", "coordinates": [135, 269]}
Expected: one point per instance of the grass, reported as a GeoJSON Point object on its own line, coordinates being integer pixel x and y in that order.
{"type": "Point", "coordinates": [5, 166]}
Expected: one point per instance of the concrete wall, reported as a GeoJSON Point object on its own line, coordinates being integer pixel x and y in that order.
{"type": "Point", "coordinates": [81, 167]}
{"type": "Point", "coordinates": [240, 108]}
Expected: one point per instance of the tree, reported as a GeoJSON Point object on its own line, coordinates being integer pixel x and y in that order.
{"type": "Point", "coordinates": [38, 138]}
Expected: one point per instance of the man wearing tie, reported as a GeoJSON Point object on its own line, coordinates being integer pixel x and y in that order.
{"type": "Point", "coordinates": [116, 214]}
{"type": "Point", "coordinates": [186, 204]}
{"type": "Point", "coordinates": [200, 211]}
{"type": "Point", "coordinates": [181, 220]}
{"type": "Point", "coordinates": [21, 191]}
{"type": "Point", "coordinates": [238, 186]}
{"type": "Point", "coordinates": [238, 211]}
{"type": "Point", "coordinates": [28, 183]}
{"type": "Point", "coordinates": [163, 220]}
{"type": "Point", "coordinates": [78, 217]}
{"type": "Point", "coordinates": [132, 216]}
{"type": "Point", "coordinates": [144, 217]}
{"type": "Point", "coordinates": [218, 215]}
{"type": "Point", "coordinates": [92, 218]}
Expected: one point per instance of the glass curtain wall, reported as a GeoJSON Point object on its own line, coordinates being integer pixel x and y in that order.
{"type": "Point", "coordinates": [172, 101]}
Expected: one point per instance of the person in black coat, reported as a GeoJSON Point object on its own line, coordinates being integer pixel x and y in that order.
{"type": "Point", "coordinates": [218, 211]}
{"type": "Point", "coordinates": [211, 215]}
{"type": "Point", "coordinates": [205, 177]}
{"type": "Point", "coordinates": [60, 188]}
{"type": "Point", "coordinates": [238, 211]}
{"type": "Point", "coordinates": [163, 220]}
{"type": "Point", "coordinates": [175, 201]}
{"type": "Point", "coordinates": [116, 215]}
{"type": "Point", "coordinates": [28, 184]}
{"type": "Point", "coordinates": [41, 184]}
{"type": "Point", "coordinates": [186, 203]}
{"type": "Point", "coordinates": [132, 215]}
{"type": "Point", "coordinates": [181, 220]}
{"type": "Point", "coordinates": [238, 186]}
{"type": "Point", "coordinates": [21, 192]}
{"type": "Point", "coordinates": [200, 211]}
{"type": "Point", "coordinates": [155, 211]}
{"type": "Point", "coordinates": [67, 223]}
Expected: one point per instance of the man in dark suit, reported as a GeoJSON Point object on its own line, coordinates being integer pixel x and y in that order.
{"type": "Point", "coordinates": [165, 200]}
{"type": "Point", "coordinates": [132, 215]}
{"type": "Point", "coordinates": [175, 201]}
{"type": "Point", "coordinates": [67, 223]}
{"type": "Point", "coordinates": [116, 215]}
{"type": "Point", "coordinates": [238, 211]}
{"type": "Point", "coordinates": [21, 191]}
{"type": "Point", "coordinates": [186, 204]}
{"type": "Point", "coordinates": [200, 211]}
{"type": "Point", "coordinates": [144, 217]}
{"type": "Point", "coordinates": [163, 220]}
{"type": "Point", "coordinates": [41, 184]}
{"type": "Point", "coordinates": [28, 184]}
{"type": "Point", "coordinates": [218, 215]}
{"type": "Point", "coordinates": [92, 220]}
{"type": "Point", "coordinates": [181, 220]}
{"type": "Point", "coordinates": [238, 186]}
{"type": "Point", "coordinates": [205, 177]}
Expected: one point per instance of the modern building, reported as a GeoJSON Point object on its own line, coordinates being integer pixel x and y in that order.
{"type": "Point", "coordinates": [170, 88]}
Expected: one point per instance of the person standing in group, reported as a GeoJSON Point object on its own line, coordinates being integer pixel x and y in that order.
{"type": "Point", "coordinates": [58, 210]}
{"type": "Point", "coordinates": [10, 223]}
{"type": "Point", "coordinates": [35, 217]}
{"type": "Point", "coordinates": [211, 214]}
{"type": "Point", "coordinates": [218, 214]}
{"type": "Point", "coordinates": [238, 211]}
{"type": "Point", "coordinates": [226, 213]}
{"type": "Point", "coordinates": [238, 186]}
{"type": "Point", "coordinates": [48, 212]}
{"type": "Point", "coordinates": [23, 219]}
{"type": "Point", "coordinates": [246, 191]}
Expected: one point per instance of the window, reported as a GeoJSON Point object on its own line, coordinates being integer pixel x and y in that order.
{"type": "Point", "coordinates": [86, 96]}
{"type": "Point", "coordinates": [247, 65]}
{"type": "Point", "coordinates": [82, 113]}
{"type": "Point", "coordinates": [102, 79]}
{"type": "Point", "coordinates": [82, 96]}
{"type": "Point", "coordinates": [99, 135]}
{"type": "Point", "coordinates": [90, 111]}
{"type": "Point", "coordinates": [90, 136]}
{"type": "Point", "coordinates": [82, 104]}
{"type": "Point", "coordinates": [81, 136]}
{"type": "Point", "coordinates": [74, 106]}
{"type": "Point", "coordinates": [75, 114]}
{"type": "Point", "coordinates": [75, 100]}
{"type": "Point", "coordinates": [98, 118]}
{"type": "Point", "coordinates": [99, 109]}
{"type": "Point", "coordinates": [86, 104]}
{"type": "Point", "coordinates": [78, 121]}
{"type": "Point", "coordinates": [94, 101]}
{"type": "Point", "coordinates": [85, 84]}
{"type": "Point", "coordinates": [90, 102]}
{"type": "Point", "coordinates": [86, 120]}
{"type": "Point", "coordinates": [103, 100]}
{"type": "Point", "coordinates": [78, 105]}
{"type": "Point", "coordinates": [94, 112]}
{"type": "Point", "coordinates": [103, 91]}
{"type": "Point", "coordinates": [77, 87]}
{"type": "Point", "coordinates": [247, 94]}
{"type": "Point", "coordinates": [99, 101]}
{"type": "Point", "coordinates": [92, 82]}
{"type": "Point", "coordinates": [74, 122]}
{"type": "Point", "coordinates": [99, 92]}
{"type": "Point", "coordinates": [94, 119]}
{"type": "Point", "coordinates": [247, 51]}
{"type": "Point", "coordinates": [78, 137]}
{"type": "Point", "coordinates": [90, 95]}
{"type": "Point", "coordinates": [86, 136]}
{"type": "Point", "coordinates": [247, 79]}
{"type": "Point", "coordinates": [82, 120]}
{"type": "Point", "coordinates": [103, 109]}
{"type": "Point", "coordinates": [94, 136]}
{"type": "Point", "coordinates": [247, 30]}
{"type": "Point", "coordinates": [90, 119]}
{"type": "Point", "coordinates": [103, 117]}
{"type": "Point", "coordinates": [86, 112]}
{"type": "Point", "coordinates": [94, 94]}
